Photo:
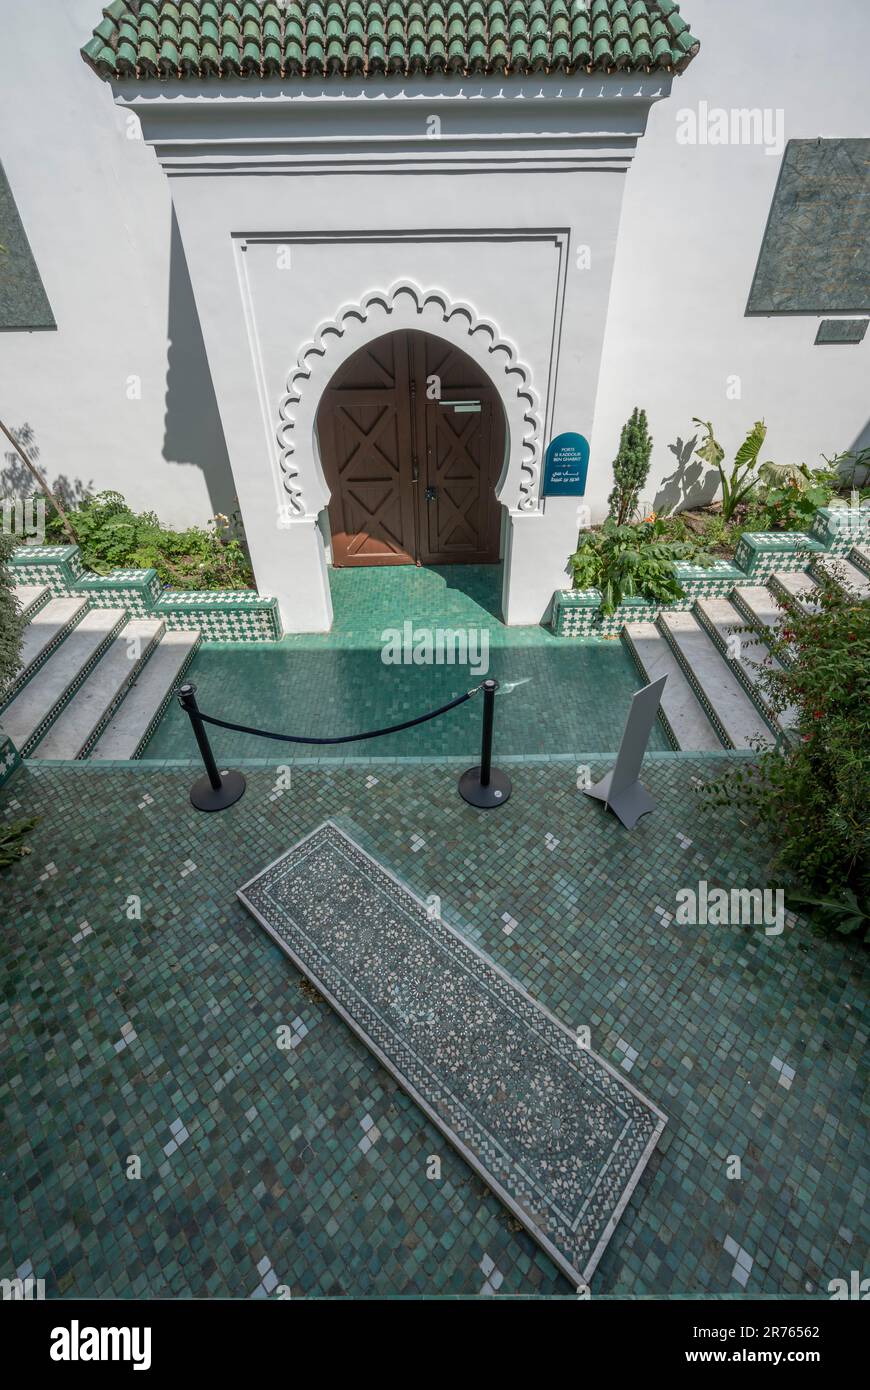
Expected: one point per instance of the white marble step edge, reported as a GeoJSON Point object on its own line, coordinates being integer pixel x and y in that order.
{"type": "Point", "coordinates": [44, 630]}
{"type": "Point", "coordinates": [28, 717]}
{"type": "Point", "coordinates": [859, 556]}
{"type": "Point", "coordinates": [30, 598]}
{"type": "Point", "coordinates": [760, 606]}
{"type": "Point", "coordinates": [718, 686]}
{"type": "Point", "coordinates": [681, 707]}
{"type": "Point", "coordinates": [751, 659]}
{"type": "Point", "coordinates": [846, 574]}
{"type": "Point", "coordinates": [90, 709]}
{"type": "Point", "coordinates": [144, 702]}
{"type": "Point", "coordinates": [795, 587]}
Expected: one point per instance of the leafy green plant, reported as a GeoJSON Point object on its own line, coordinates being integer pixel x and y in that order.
{"type": "Point", "coordinates": [813, 794]}
{"type": "Point", "coordinates": [112, 536]}
{"type": "Point", "coordinates": [788, 495]}
{"type": "Point", "coordinates": [631, 561]}
{"type": "Point", "coordinates": [851, 468]}
{"type": "Point", "coordinates": [739, 483]}
{"type": "Point", "coordinates": [11, 624]}
{"type": "Point", "coordinates": [11, 838]}
{"type": "Point", "coordinates": [630, 467]}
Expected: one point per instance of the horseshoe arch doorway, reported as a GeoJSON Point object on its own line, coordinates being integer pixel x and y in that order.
{"type": "Point", "coordinates": [412, 442]}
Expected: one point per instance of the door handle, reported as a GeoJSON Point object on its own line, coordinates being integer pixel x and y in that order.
{"type": "Point", "coordinates": [431, 494]}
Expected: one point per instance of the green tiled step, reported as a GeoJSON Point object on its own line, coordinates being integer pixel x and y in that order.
{"type": "Point", "coordinates": [747, 654]}
{"type": "Point", "coordinates": [759, 607]}
{"type": "Point", "coordinates": [681, 712]}
{"type": "Point", "coordinates": [43, 635]}
{"type": "Point", "coordinates": [143, 706]}
{"type": "Point", "coordinates": [221, 615]}
{"type": "Point", "coordinates": [58, 566]}
{"type": "Point", "coordinates": [30, 715]}
{"type": "Point", "coordinates": [762, 553]}
{"type": "Point", "coordinates": [225, 615]}
{"type": "Point", "coordinates": [844, 572]}
{"type": "Point", "coordinates": [135, 590]}
{"type": "Point", "coordinates": [794, 590]}
{"type": "Point", "coordinates": [30, 598]}
{"type": "Point", "coordinates": [838, 529]}
{"type": "Point", "coordinates": [730, 710]}
{"type": "Point", "coordinates": [576, 612]}
{"type": "Point", "coordinates": [84, 717]}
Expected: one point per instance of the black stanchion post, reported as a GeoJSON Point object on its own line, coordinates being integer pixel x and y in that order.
{"type": "Point", "coordinates": [486, 786]}
{"type": "Point", "coordinates": [216, 790]}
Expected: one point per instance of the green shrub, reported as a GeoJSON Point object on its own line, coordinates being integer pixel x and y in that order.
{"type": "Point", "coordinates": [788, 496]}
{"type": "Point", "coordinates": [630, 467]}
{"type": "Point", "coordinates": [813, 794]}
{"type": "Point", "coordinates": [635, 561]}
{"type": "Point", "coordinates": [11, 624]}
{"type": "Point", "coordinates": [112, 536]}
{"type": "Point", "coordinates": [739, 483]}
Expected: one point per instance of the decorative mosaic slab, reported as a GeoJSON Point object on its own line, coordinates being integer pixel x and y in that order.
{"type": "Point", "coordinates": [841, 331]}
{"type": "Point", "coordinates": [812, 258]}
{"type": "Point", "coordinates": [558, 1135]}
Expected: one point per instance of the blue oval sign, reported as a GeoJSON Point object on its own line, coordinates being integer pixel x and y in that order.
{"type": "Point", "coordinates": [566, 465]}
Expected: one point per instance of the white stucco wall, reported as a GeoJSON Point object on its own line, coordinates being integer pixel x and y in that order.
{"type": "Point", "coordinates": [97, 211]}
{"type": "Point", "coordinates": [273, 259]}
{"type": "Point", "coordinates": [692, 223]}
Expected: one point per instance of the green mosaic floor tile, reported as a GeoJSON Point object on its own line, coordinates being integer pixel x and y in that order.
{"type": "Point", "coordinates": [567, 694]}
{"type": "Point", "coordinates": [185, 1116]}
{"type": "Point", "coordinates": [557, 1133]}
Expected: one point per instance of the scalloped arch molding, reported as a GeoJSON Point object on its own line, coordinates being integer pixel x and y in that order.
{"type": "Point", "coordinates": [406, 306]}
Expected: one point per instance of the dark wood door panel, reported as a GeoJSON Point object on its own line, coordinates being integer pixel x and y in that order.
{"type": "Point", "coordinates": [412, 478]}
{"type": "Point", "coordinates": [462, 424]}
{"type": "Point", "coordinates": [365, 445]}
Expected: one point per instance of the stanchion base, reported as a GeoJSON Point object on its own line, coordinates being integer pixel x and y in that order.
{"type": "Point", "coordinates": [205, 797]}
{"type": "Point", "coordinates": [484, 798]}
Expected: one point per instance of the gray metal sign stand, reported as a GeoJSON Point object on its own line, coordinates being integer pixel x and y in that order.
{"type": "Point", "coordinates": [621, 789]}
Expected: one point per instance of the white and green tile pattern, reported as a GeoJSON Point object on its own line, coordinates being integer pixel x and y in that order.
{"type": "Point", "coordinates": [58, 566]}
{"type": "Point", "coordinates": [222, 615]}
{"type": "Point", "coordinates": [762, 553]}
{"type": "Point", "coordinates": [135, 590]}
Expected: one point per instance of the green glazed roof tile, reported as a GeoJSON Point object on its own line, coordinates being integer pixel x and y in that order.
{"type": "Point", "coordinates": [165, 39]}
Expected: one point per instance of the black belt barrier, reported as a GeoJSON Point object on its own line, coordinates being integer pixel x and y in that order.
{"type": "Point", "coordinates": [482, 786]}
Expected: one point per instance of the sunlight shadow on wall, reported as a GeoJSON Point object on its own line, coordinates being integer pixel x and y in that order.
{"type": "Point", "coordinates": [193, 434]}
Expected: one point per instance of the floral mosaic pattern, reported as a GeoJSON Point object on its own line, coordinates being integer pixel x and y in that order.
{"type": "Point", "coordinates": [557, 1134]}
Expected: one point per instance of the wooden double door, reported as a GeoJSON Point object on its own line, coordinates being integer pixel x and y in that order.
{"type": "Point", "coordinates": [412, 440]}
